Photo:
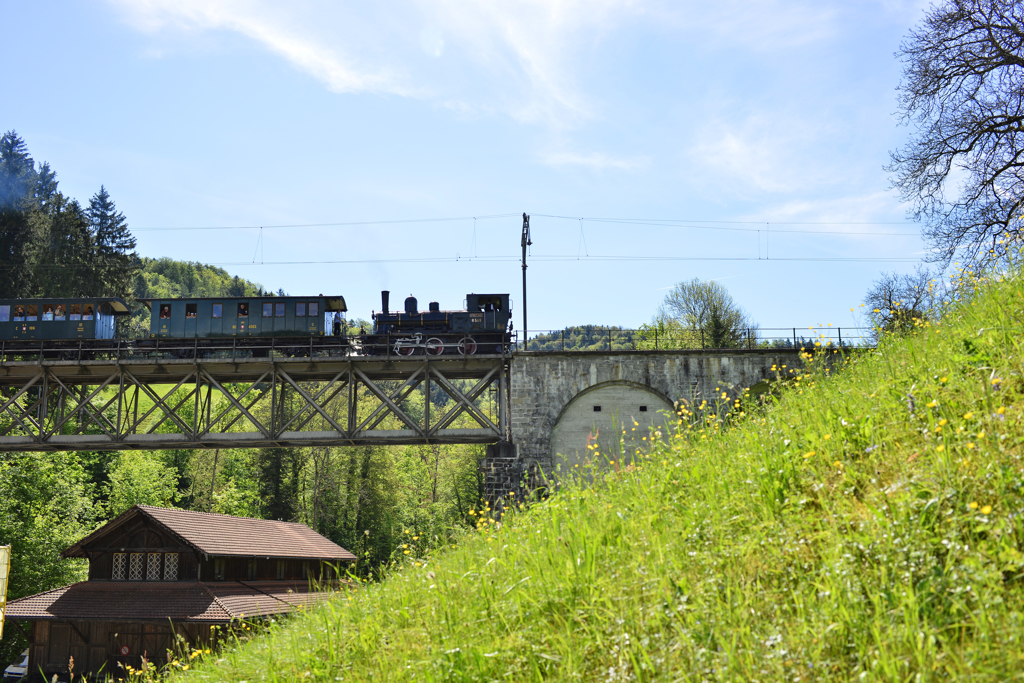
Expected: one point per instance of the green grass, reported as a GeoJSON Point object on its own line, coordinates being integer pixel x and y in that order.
{"type": "Point", "coordinates": [838, 534]}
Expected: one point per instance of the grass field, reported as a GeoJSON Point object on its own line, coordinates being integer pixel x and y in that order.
{"type": "Point", "coordinates": [865, 526]}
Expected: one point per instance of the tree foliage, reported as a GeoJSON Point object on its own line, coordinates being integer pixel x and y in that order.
{"type": "Point", "coordinates": [963, 91]}
{"type": "Point", "coordinates": [706, 308]}
{"type": "Point", "coordinates": [49, 244]}
{"type": "Point", "coordinates": [897, 301]}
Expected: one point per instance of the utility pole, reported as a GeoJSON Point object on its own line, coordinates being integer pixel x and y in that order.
{"type": "Point", "coordinates": [526, 242]}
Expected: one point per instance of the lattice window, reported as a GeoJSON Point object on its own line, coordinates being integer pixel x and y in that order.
{"type": "Point", "coordinates": [119, 567]}
{"type": "Point", "coordinates": [136, 567]}
{"type": "Point", "coordinates": [281, 567]}
{"type": "Point", "coordinates": [153, 567]}
{"type": "Point", "coordinates": [250, 570]}
{"type": "Point", "coordinates": [219, 570]}
{"type": "Point", "coordinates": [171, 567]}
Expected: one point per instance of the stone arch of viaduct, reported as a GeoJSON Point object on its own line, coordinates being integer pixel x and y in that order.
{"type": "Point", "coordinates": [559, 400]}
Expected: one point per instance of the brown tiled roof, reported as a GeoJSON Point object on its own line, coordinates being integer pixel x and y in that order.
{"type": "Point", "coordinates": [180, 601]}
{"type": "Point", "coordinates": [223, 535]}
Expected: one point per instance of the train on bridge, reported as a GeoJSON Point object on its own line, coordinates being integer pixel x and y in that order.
{"type": "Point", "coordinates": [257, 326]}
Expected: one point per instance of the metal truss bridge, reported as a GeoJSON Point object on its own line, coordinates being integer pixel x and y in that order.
{"type": "Point", "coordinates": [118, 397]}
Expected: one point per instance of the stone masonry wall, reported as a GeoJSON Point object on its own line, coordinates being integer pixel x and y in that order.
{"type": "Point", "coordinates": [544, 383]}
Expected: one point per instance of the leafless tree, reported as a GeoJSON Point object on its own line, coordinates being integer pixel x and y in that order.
{"type": "Point", "coordinates": [896, 301]}
{"type": "Point", "coordinates": [963, 91]}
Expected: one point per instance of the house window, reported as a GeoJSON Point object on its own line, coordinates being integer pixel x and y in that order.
{"type": "Point", "coordinates": [218, 311]}
{"type": "Point", "coordinates": [153, 567]}
{"type": "Point", "coordinates": [119, 567]}
{"type": "Point", "coordinates": [305, 570]}
{"type": "Point", "coordinates": [135, 566]}
{"type": "Point", "coordinates": [281, 566]}
{"type": "Point", "coordinates": [250, 569]}
{"type": "Point", "coordinates": [171, 567]}
{"type": "Point", "coordinates": [300, 311]}
{"type": "Point", "coordinates": [219, 570]}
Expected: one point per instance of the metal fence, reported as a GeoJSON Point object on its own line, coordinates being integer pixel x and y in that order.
{"type": "Point", "coordinates": [594, 338]}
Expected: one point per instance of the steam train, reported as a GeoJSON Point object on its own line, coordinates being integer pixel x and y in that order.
{"type": "Point", "coordinates": [293, 325]}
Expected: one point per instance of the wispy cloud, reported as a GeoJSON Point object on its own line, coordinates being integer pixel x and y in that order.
{"type": "Point", "coordinates": [275, 30]}
{"type": "Point", "coordinates": [519, 56]}
{"type": "Point", "coordinates": [594, 160]}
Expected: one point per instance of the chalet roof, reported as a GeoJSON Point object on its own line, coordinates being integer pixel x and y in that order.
{"type": "Point", "coordinates": [217, 535]}
{"type": "Point", "coordinates": [180, 601]}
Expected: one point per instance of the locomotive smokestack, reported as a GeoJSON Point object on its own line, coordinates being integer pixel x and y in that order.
{"type": "Point", "coordinates": [384, 300]}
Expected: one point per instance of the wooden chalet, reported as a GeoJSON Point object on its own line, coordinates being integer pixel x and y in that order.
{"type": "Point", "coordinates": [156, 573]}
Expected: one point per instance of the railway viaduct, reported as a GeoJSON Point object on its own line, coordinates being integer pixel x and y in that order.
{"type": "Point", "coordinates": [563, 402]}
{"type": "Point", "coordinates": [535, 410]}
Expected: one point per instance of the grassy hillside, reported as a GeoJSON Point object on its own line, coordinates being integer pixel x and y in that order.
{"type": "Point", "coordinates": [868, 526]}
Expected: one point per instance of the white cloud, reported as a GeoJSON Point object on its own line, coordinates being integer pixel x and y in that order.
{"type": "Point", "coordinates": [518, 56]}
{"type": "Point", "coordinates": [595, 160]}
{"type": "Point", "coordinates": [873, 207]}
{"type": "Point", "coordinates": [268, 26]}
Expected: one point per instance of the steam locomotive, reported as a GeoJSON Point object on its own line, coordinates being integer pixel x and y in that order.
{"type": "Point", "coordinates": [292, 325]}
{"type": "Point", "coordinates": [483, 327]}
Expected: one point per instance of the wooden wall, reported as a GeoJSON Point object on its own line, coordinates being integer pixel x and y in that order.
{"type": "Point", "coordinates": [96, 646]}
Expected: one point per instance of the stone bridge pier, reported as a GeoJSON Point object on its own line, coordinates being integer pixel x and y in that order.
{"type": "Point", "coordinates": [561, 403]}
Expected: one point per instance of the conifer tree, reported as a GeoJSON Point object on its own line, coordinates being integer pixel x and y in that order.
{"type": "Point", "coordinates": [114, 247]}
{"type": "Point", "coordinates": [17, 178]}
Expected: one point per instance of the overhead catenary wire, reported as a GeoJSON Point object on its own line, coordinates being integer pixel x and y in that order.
{"type": "Point", "coordinates": [696, 224]}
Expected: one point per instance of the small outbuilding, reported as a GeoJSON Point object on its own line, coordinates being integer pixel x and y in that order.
{"type": "Point", "coordinates": [156, 574]}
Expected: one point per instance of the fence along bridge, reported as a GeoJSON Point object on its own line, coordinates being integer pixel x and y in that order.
{"type": "Point", "coordinates": [119, 398]}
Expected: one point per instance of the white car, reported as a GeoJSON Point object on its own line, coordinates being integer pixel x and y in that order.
{"type": "Point", "coordinates": [17, 670]}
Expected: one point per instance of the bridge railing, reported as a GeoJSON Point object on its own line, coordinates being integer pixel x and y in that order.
{"type": "Point", "coordinates": [658, 338]}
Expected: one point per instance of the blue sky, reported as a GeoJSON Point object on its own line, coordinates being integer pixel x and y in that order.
{"type": "Point", "coordinates": [706, 126]}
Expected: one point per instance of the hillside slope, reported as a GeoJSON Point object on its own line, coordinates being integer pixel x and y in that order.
{"type": "Point", "coordinates": [868, 526]}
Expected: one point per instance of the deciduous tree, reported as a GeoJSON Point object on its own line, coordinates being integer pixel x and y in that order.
{"type": "Point", "coordinates": [963, 92]}
{"type": "Point", "coordinates": [708, 310]}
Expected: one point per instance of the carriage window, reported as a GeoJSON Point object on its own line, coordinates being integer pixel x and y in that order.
{"type": "Point", "coordinates": [165, 312]}
{"type": "Point", "coordinates": [300, 310]}
{"type": "Point", "coordinates": [190, 310]}
{"type": "Point", "coordinates": [5, 313]}
{"type": "Point", "coordinates": [48, 312]}
{"type": "Point", "coordinates": [268, 310]}
{"type": "Point", "coordinates": [58, 312]}
{"type": "Point", "coordinates": [87, 313]}
{"type": "Point", "coordinates": [32, 312]}
{"type": "Point", "coordinates": [19, 312]}
{"type": "Point", "coordinates": [279, 310]}
{"type": "Point", "coordinates": [218, 310]}
{"type": "Point", "coordinates": [76, 311]}
{"type": "Point", "coordinates": [312, 308]}
{"type": "Point", "coordinates": [243, 310]}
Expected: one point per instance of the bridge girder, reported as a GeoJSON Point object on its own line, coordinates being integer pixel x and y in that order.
{"type": "Point", "coordinates": [250, 403]}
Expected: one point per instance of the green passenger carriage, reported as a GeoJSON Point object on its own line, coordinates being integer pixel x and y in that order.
{"type": "Point", "coordinates": [60, 318]}
{"type": "Point", "coordinates": [219, 317]}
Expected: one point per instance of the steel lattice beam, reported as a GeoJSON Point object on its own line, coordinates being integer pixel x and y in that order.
{"type": "Point", "coordinates": [252, 402]}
